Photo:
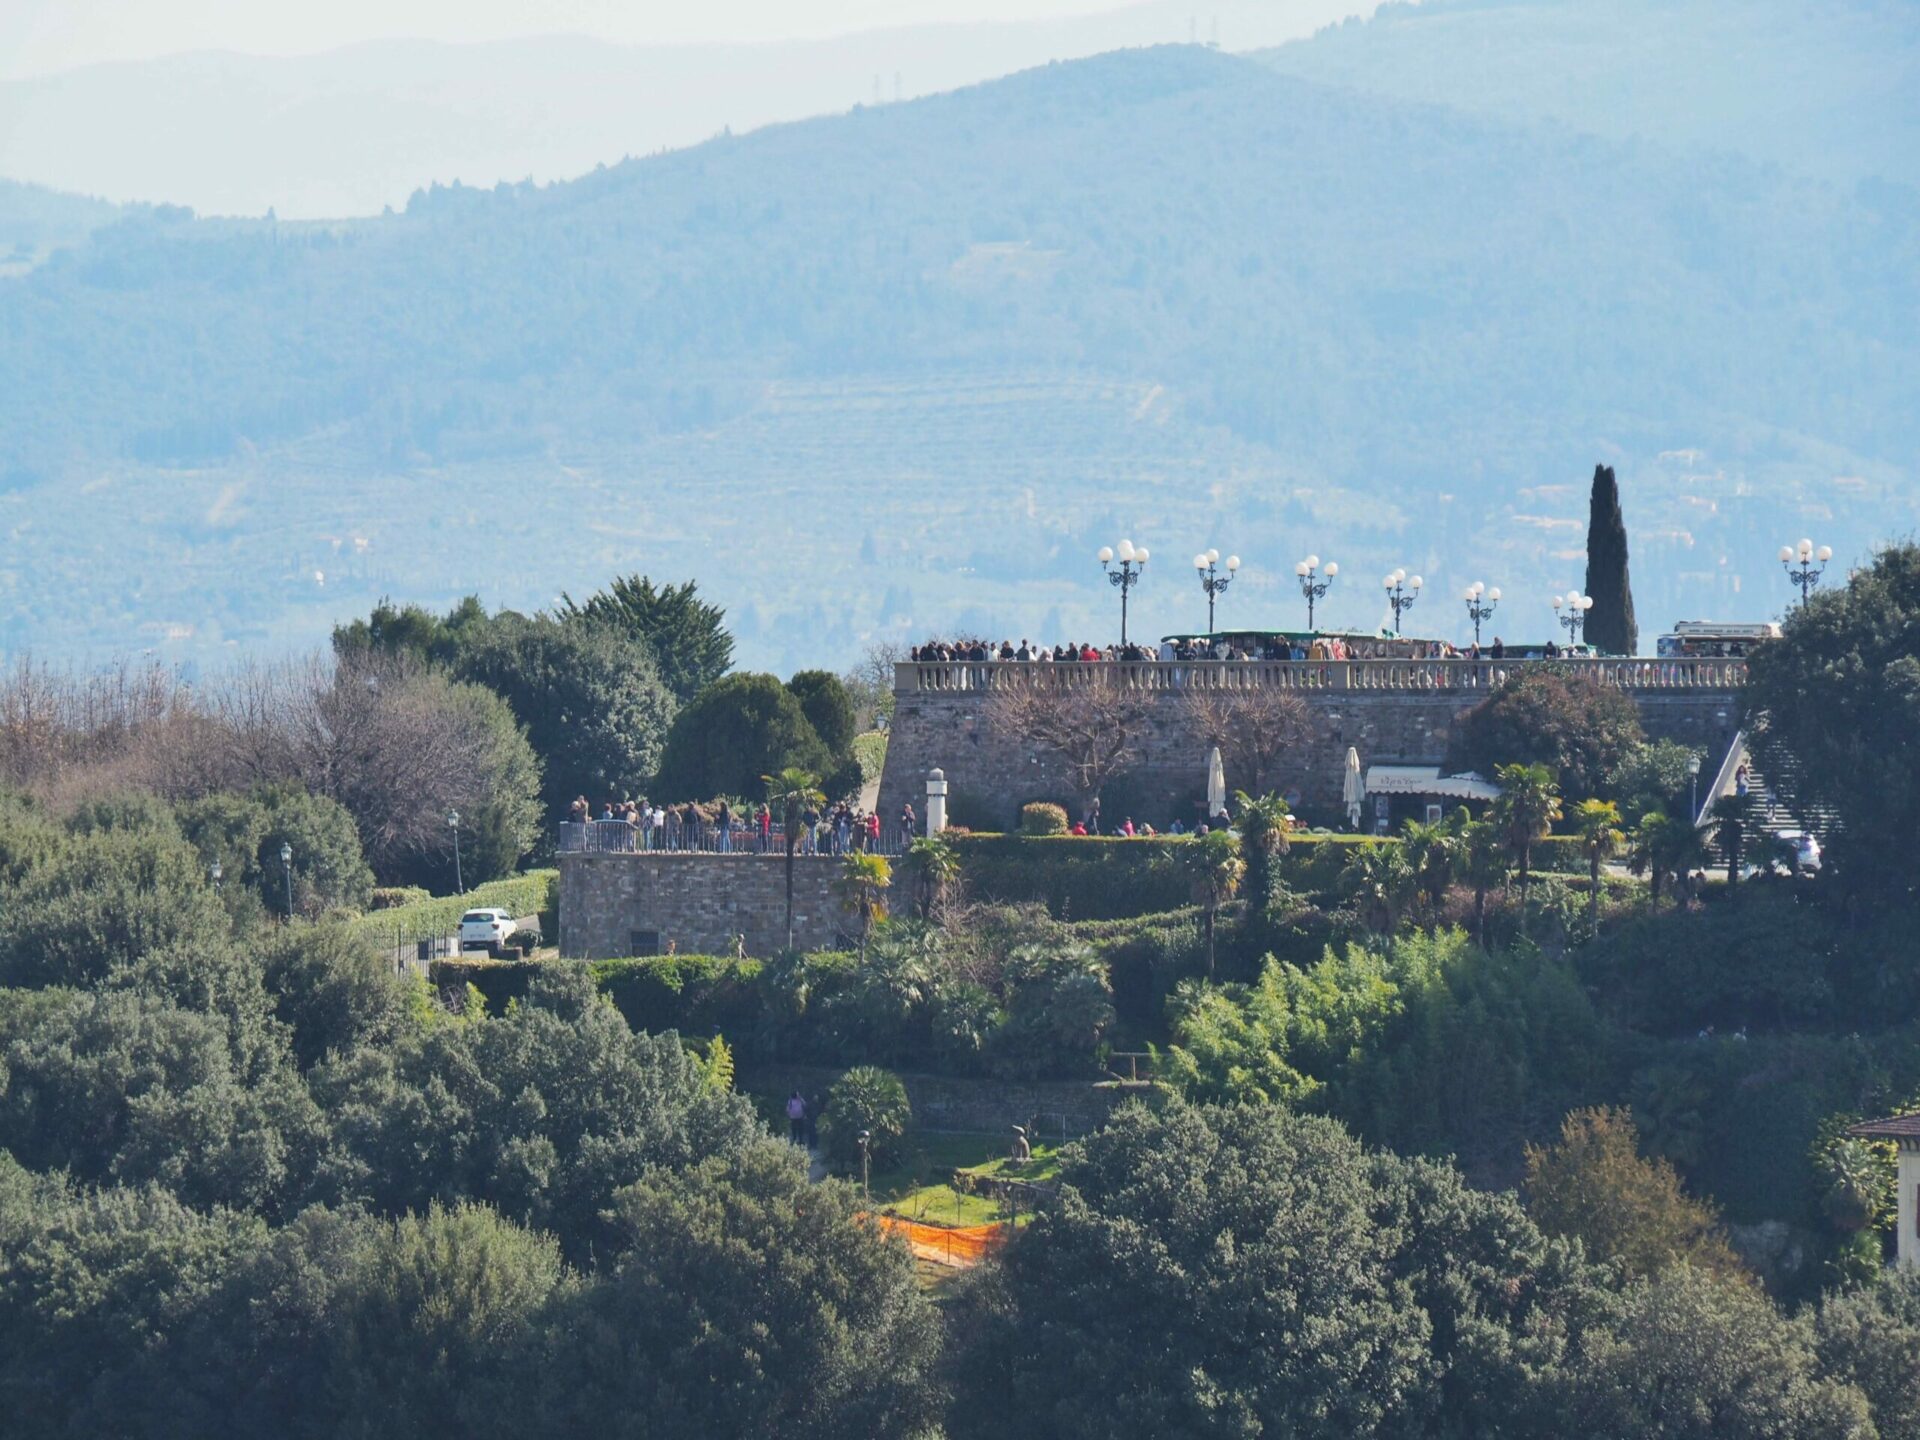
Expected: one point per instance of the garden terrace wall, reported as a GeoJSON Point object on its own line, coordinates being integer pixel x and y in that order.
{"type": "Point", "coordinates": [691, 903]}
{"type": "Point", "coordinates": [1393, 712]}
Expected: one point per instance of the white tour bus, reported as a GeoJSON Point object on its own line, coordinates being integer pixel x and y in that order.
{"type": "Point", "coordinates": [1715, 639]}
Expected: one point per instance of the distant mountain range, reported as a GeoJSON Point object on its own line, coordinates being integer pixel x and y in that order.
{"type": "Point", "coordinates": [353, 130]}
{"type": "Point", "coordinates": [903, 370]}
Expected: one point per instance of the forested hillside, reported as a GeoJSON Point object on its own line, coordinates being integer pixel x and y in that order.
{"type": "Point", "coordinates": [1823, 87]}
{"type": "Point", "coordinates": [1168, 292]}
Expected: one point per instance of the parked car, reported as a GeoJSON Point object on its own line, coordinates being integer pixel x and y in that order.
{"type": "Point", "coordinates": [1806, 850]}
{"type": "Point", "coordinates": [485, 930]}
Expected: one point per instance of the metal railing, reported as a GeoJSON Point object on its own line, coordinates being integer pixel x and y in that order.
{"type": "Point", "coordinates": [986, 676]}
{"type": "Point", "coordinates": [617, 837]}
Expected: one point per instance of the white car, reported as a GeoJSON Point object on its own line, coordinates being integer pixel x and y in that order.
{"type": "Point", "coordinates": [1806, 850]}
{"type": "Point", "coordinates": [485, 930]}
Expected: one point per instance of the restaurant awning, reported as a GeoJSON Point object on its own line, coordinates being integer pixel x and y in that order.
{"type": "Point", "coordinates": [1427, 780]}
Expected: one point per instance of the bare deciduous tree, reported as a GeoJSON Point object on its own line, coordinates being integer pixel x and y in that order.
{"type": "Point", "coordinates": [1254, 729]}
{"type": "Point", "coordinates": [1092, 726]}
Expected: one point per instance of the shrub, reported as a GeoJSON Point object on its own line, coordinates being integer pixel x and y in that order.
{"type": "Point", "coordinates": [1042, 818]}
{"type": "Point", "coordinates": [870, 1099]}
{"type": "Point", "coordinates": [693, 994]}
{"type": "Point", "coordinates": [1082, 878]}
{"type": "Point", "coordinates": [524, 940]}
{"type": "Point", "coordinates": [1578, 729]}
{"type": "Point", "coordinates": [392, 897]}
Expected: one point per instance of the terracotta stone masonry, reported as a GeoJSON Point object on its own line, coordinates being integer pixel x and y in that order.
{"type": "Point", "coordinates": [695, 904]}
{"type": "Point", "coordinates": [1391, 711]}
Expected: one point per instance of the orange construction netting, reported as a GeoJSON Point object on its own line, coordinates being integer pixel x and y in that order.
{"type": "Point", "coordinates": [940, 1245]}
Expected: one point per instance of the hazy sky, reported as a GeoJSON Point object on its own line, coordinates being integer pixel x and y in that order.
{"type": "Point", "coordinates": [37, 36]}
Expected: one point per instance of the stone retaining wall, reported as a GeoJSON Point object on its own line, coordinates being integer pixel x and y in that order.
{"type": "Point", "coordinates": [692, 903]}
{"type": "Point", "coordinates": [996, 774]}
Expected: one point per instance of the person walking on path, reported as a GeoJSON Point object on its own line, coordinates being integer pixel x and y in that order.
{"type": "Point", "coordinates": [796, 1119]}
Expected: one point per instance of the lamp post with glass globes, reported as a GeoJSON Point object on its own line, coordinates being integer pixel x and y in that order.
{"type": "Point", "coordinates": [1311, 585]}
{"type": "Point", "coordinates": [1207, 564]}
{"type": "Point", "coordinates": [1576, 606]}
{"type": "Point", "coordinates": [286, 868]}
{"type": "Point", "coordinates": [1397, 585]}
{"type": "Point", "coordinates": [1123, 565]}
{"type": "Point", "coordinates": [453, 820]}
{"type": "Point", "coordinates": [1480, 606]}
{"type": "Point", "coordinates": [1693, 773]}
{"type": "Point", "coordinates": [1808, 575]}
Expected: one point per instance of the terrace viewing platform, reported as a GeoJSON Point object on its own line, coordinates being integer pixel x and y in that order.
{"type": "Point", "coordinates": [1383, 674]}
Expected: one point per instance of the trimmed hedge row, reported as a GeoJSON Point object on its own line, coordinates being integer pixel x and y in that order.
{"type": "Point", "coordinates": [694, 994]}
{"type": "Point", "coordinates": [424, 919]}
{"type": "Point", "coordinates": [1112, 877]}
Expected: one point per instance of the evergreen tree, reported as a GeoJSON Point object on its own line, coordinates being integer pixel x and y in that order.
{"type": "Point", "coordinates": [689, 640]}
{"type": "Point", "coordinates": [1610, 624]}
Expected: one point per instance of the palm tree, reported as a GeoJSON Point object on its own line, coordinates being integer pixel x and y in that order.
{"type": "Point", "coordinates": [862, 884]}
{"type": "Point", "coordinates": [934, 865]}
{"type": "Point", "coordinates": [1384, 877]}
{"type": "Point", "coordinates": [1435, 851]}
{"type": "Point", "coordinates": [1484, 865]}
{"type": "Point", "coordinates": [1216, 870]}
{"type": "Point", "coordinates": [1263, 824]}
{"type": "Point", "coordinates": [1597, 822]}
{"type": "Point", "coordinates": [1528, 806]}
{"type": "Point", "coordinates": [1663, 846]}
{"type": "Point", "coordinates": [791, 792]}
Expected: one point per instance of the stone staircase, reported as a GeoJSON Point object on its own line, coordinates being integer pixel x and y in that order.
{"type": "Point", "coordinates": [1774, 815]}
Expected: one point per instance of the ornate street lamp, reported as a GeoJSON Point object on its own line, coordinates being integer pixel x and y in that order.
{"type": "Point", "coordinates": [1311, 585]}
{"type": "Point", "coordinates": [453, 819]}
{"type": "Point", "coordinates": [1397, 585]}
{"type": "Point", "coordinates": [1123, 565]}
{"type": "Point", "coordinates": [1480, 605]}
{"type": "Point", "coordinates": [1207, 564]}
{"type": "Point", "coordinates": [286, 867]}
{"type": "Point", "coordinates": [1576, 606]}
{"type": "Point", "coordinates": [1808, 574]}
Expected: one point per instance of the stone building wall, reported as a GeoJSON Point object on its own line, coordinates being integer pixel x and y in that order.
{"type": "Point", "coordinates": [696, 904]}
{"type": "Point", "coordinates": [986, 771]}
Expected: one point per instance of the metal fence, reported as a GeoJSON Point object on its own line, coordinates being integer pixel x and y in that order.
{"type": "Point", "coordinates": [617, 837]}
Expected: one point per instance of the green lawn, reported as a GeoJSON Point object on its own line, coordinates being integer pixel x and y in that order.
{"type": "Point", "coordinates": [918, 1188]}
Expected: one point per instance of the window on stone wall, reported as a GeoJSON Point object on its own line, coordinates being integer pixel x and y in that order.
{"type": "Point", "coordinates": [643, 942]}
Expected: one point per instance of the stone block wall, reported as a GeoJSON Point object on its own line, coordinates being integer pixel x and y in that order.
{"type": "Point", "coordinates": [991, 772]}
{"type": "Point", "coordinates": [695, 904]}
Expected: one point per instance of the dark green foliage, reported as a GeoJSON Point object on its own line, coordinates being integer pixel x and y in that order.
{"type": "Point", "coordinates": [90, 1286]}
{"type": "Point", "coordinates": [828, 707]}
{"type": "Point", "coordinates": [590, 697]}
{"type": "Point", "coordinates": [1077, 879]}
{"type": "Point", "coordinates": [1839, 717]}
{"type": "Point", "coordinates": [328, 871]}
{"type": "Point", "coordinates": [1610, 626]}
{"type": "Point", "coordinates": [117, 1087]}
{"type": "Point", "coordinates": [687, 636]}
{"type": "Point", "coordinates": [1320, 1292]}
{"type": "Point", "coordinates": [1578, 729]}
{"type": "Point", "coordinates": [1654, 776]}
{"type": "Point", "coordinates": [544, 1113]}
{"type": "Point", "coordinates": [1763, 963]}
{"type": "Point", "coordinates": [1689, 1356]}
{"type": "Point", "coordinates": [697, 994]}
{"type": "Point", "coordinates": [743, 1302]}
{"type": "Point", "coordinates": [331, 989]}
{"type": "Point", "coordinates": [734, 733]}
{"type": "Point", "coordinates": [1041, 818]}
{"type": "Point", "coordinates": [1869, 1338]}
{"type": "Point", "coordinates": [412, 631]}
{"type": "Point", "coordinates": [866, 1100]}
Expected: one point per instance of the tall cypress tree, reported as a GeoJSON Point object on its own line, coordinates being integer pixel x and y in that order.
{"type": "Point", "coordinates": [1610, 624]}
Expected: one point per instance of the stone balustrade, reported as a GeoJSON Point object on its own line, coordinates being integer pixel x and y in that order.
{"type": "Point", "coordinates": [1458, 675]}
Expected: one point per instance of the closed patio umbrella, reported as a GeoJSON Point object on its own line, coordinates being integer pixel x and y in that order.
{"type": "Point", "coordinates": [1216, 783]}
{"type": "Point", "coordinates": [1353, 788]}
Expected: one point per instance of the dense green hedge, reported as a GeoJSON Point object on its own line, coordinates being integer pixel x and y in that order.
{"type": "Point", "coordinates": [695, 994]}
{"type": "Point", "coordinates": [1100, 877]}
{"type": "Point", "coordinates": [403, 924]}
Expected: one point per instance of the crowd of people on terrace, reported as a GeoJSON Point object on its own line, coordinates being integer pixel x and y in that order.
{"type": "Point", "coordinates": [1203, 647]}
{"type": "Point", "coordinates": [725, 828]}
